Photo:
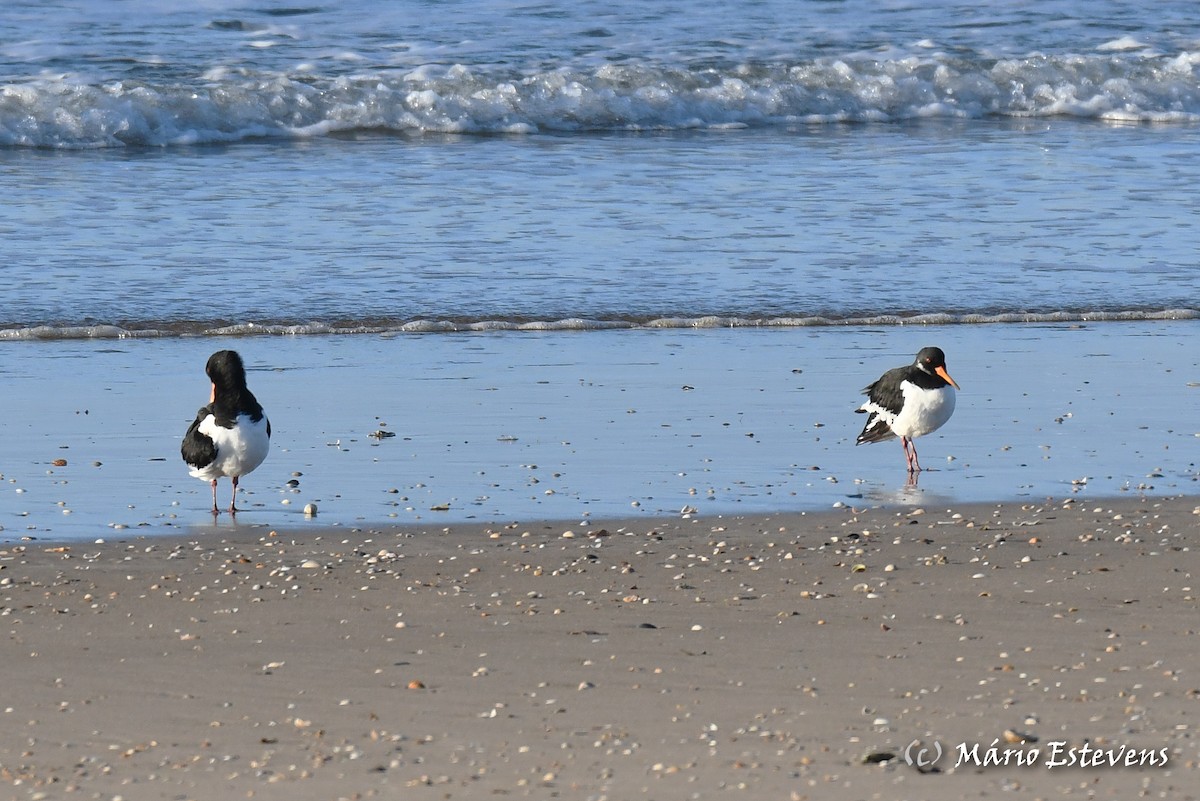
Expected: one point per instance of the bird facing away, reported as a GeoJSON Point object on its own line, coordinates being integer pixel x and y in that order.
{"type": "Point", "coordinates": [231, 435]}
{"type": "Point", "coordinates": [909, 402]}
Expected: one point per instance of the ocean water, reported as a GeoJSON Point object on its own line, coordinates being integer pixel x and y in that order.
{"type": "Point", "coordinates": [380, 191]}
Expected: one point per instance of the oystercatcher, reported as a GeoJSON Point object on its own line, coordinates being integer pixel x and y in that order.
{"type": "Point", "coordinates": [231, 435]}
{"type": "Point", "coordinates": [909, 402]}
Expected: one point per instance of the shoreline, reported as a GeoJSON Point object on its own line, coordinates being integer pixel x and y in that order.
{"type": "Point", "coordinates": [776, 654]}
{"type": "Point", "coordinates": [556, 426]}
{"type": "Point", "coordinates": [615, 424]}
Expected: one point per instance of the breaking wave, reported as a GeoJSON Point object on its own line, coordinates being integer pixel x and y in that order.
{"type": "Point", "coordinates": [232, 105]}
{"type": "Point", "coordinates": [151, 331]}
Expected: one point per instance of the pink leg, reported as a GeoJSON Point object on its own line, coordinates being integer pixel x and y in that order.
{"type": "Point", "coordinates": [216, 511]}
{"type": "Point", "coordinates": [233, 500]}
{"type": "Point", "coordinates": [910, 455]}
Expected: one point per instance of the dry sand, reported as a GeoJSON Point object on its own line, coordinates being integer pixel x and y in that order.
{"type": "Point", "coordinates": [778, 657]}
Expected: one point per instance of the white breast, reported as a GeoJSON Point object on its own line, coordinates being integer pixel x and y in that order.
{"type": "Point", "coordinates": [925, 410]}
{"type": "Point", "coordinates": [239, 449]}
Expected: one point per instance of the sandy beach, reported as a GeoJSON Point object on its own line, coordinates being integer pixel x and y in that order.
{"type": "Point", "coordinates": [778, 656]}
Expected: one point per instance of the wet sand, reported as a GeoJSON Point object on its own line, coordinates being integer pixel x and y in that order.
{"type": "Point", "coordinates": [569, 425]}
{"type": "Point", "coordinates": [776, 656]}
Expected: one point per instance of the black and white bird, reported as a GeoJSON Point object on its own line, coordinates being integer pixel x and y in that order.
{"type": "Point", "coordinates": [909, 402]}
{"type": "Point", "coordinates": [231, 435]}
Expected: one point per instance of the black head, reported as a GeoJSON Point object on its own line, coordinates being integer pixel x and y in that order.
{"type": "Point", "coordinates": [230, 395]}
{"type": "Point", "coordinates": [226, 371]}
{"type": "Point", "coordinates": [933, 361]}
{"type": "Point", "coordinates": [928, 359]}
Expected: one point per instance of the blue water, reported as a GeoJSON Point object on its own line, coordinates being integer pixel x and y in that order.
{"type": "Point", "coordinates": [523, 426]}
{"type": "Point", "coordinates": [190, 168]}
{"type": "Point", "coordinates": [190, 172]}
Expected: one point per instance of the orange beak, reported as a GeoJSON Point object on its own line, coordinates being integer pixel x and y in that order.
{"type": "Point", "coordinates": [212, 396]}
{"type": "Point", "coordinates": [945, 376]}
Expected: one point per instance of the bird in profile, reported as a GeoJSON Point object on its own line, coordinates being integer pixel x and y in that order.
{"type": "Point", "coordinates": [909, 402]}
{"type": "Point", "coordinates": [231, 435]}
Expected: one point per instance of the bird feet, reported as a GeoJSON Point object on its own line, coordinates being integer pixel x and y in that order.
{"type": "Point", "coordinates": [233, 510]}
{"type": "Point", "coordinates": [910, 455]}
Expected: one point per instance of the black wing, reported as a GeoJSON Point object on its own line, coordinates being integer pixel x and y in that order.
{"type": "Point", "coordinates": [198, 449]}
{"type": "Point", "coordinates": [886, 391]}
{"type": "Point", "coordinates": [884, 399]}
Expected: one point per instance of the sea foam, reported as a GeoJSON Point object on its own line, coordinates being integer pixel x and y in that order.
{"type": "Point", "coordinates": [434, 326]}
{"type": "Point", "coordinates": [225, 105]}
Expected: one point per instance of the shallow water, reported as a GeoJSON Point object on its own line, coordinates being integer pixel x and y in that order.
{"type": "Point", "coordinates": [587, 207]}
{"type": "Point", "coordinates": [564, 425]}
{"type": "Point", "coordinates": [366, 236]}
{"type": "Point", "coordinates": [189, 168]}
